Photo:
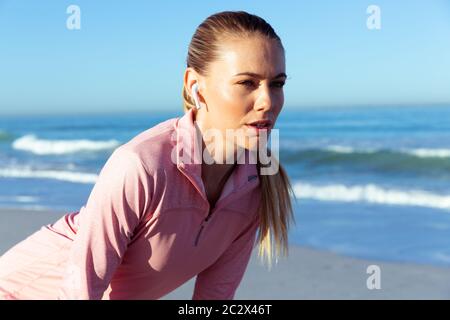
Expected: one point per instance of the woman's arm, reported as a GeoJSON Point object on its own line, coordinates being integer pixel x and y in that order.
{"type": "Point", "coordinates": [115, 206]}
{"type": "Point", "coordinates": [220, 280]}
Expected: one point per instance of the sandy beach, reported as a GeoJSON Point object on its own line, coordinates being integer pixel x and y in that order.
{"type": "Point", "coordinates": [305, 274]}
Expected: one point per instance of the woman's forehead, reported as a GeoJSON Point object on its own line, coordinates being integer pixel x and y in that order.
{"type": "Point", "coordinates": [250, 55]}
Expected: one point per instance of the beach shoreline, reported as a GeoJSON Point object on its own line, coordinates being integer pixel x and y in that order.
{"type": "Point", "coordinates": [306, 273]}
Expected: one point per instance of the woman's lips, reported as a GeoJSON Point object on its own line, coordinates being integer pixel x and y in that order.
{"type": "Point", "coordinates": [254, 130]}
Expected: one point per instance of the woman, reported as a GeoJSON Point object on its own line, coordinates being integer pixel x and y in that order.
{"type": "Point", "coordinates": [159, 215]}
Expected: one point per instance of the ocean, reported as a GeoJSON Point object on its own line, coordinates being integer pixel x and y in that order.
{"type": "Point", "coordinates": [370, 182]}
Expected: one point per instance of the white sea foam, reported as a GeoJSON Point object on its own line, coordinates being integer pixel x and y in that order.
{"type": "Point", "coordinates": [342, 149]}
{"type": "Point", "coordinates": [427, 153]}
{"type": "Point", "coordinates": [38, 146]}
{"type": "Point", "coordinates": [418, 152]}
{"type": "Point", "coordinates": [373, 194]}
{"type": "Point", "coordinates": [33, 207]}
{"type": "Point", "coordinates": [23, 199]}
{"type": "Point", "coordinates": [26, 172]}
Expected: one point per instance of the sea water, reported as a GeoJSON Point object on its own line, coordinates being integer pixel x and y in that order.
{"type": "Point", "coordinates": [369, 182]}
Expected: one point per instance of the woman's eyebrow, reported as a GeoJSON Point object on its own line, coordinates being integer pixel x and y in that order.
{"type": "Point", "coordinates": [251, 74]}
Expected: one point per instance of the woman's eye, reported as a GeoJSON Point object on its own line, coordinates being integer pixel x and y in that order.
{"type": "Point", "coordinates": [247, 83]}
{"type": "Point", "coordinates": [279, 84]}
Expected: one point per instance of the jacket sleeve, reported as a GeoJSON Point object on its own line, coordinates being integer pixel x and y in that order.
{"type": "Point", "coordinates": [220, 280]}
{"type": "Point", "coordinates": [114, 208]}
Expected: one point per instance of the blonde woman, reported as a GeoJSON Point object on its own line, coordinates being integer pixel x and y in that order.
{"type": "Point", "coordinates": [159, 214]}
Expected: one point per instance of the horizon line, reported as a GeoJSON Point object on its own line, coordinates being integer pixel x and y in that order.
{"type": "Point", "coordinates": [180, 109]}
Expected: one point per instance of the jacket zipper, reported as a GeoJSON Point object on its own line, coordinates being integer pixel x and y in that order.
{"type": "Point", "coordinates": [202, 226]}
{"type": "Point", "coordinates": [204, 220]}
{"type": "Point", "coordinates": [199, 233]}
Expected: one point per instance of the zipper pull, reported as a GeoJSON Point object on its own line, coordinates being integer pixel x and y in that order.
{"type": "Point", "coordinates": [198, 234]}
{"type": "Point", "coordinates": [201, 227]}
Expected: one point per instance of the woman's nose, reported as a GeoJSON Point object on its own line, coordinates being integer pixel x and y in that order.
{"type": "Point", "coordinates": [265, 100]}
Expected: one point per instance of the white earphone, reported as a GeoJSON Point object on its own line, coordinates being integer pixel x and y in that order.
{"type": "Point", "coordinates": [195, 95]}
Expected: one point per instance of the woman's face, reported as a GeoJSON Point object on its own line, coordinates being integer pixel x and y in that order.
{"type": "Point", "coordinates": [245, 84]}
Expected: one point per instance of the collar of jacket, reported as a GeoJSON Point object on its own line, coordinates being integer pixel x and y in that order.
{"type": "Point", "coordinates": [189, 158]}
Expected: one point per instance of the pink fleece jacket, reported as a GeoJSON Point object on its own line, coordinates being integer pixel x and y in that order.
{"type": "Point", "coordinates": [143, 231]}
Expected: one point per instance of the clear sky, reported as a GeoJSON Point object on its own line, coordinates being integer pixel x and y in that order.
{"type": "Point", "coordinates": [130, 55]}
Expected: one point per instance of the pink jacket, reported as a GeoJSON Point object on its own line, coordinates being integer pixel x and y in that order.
{"type": "Point", "coordinates": [143, 231]}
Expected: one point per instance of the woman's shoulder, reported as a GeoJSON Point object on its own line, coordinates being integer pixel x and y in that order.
{"type": "Point", "coordinates": [154, 145]}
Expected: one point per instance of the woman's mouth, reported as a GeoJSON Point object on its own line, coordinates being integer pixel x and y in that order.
{"type": "Point", "coordinates": [260, 126]}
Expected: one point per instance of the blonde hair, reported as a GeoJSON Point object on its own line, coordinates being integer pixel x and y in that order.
{"type": "Point", "coordinates": [275, 209]}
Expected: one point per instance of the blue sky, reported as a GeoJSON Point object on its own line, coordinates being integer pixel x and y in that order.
{"type": "Point", "coordinates": [130, 55]}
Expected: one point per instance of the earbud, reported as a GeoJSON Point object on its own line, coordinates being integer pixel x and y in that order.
{"type": "Point", "coordinates": [195, 95]}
